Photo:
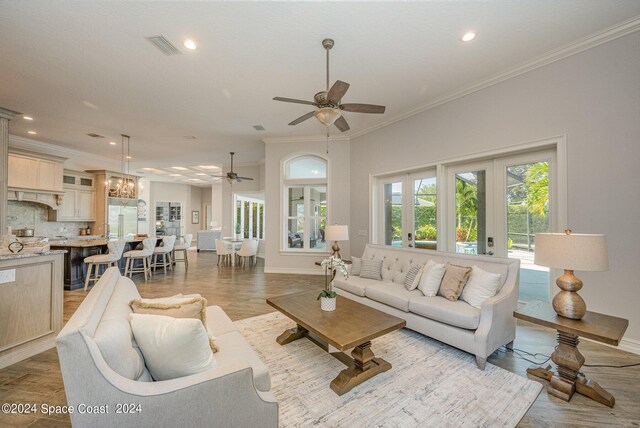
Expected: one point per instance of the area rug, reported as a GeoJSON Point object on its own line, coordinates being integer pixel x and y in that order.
{"type": "Point", "coordinates": [430, 383]}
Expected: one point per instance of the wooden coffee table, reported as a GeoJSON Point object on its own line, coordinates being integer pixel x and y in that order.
{"type": "Point", "coordinates": [351, 325]}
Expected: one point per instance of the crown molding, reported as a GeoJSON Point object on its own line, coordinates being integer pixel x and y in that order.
{"type": "Point", "coordinates": [611, 33]}
{"type": "Point", "coordinates": [306, 139]}
{"type": "Point", "coordinates": [8, 114]}
{"type": "Point", "coordinates": [27, 144]}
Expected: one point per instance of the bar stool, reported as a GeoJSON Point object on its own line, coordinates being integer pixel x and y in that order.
{"type": "Point", "coordinates": [183, 247]}
{"type": "Point", "coordinates": [110, 259]}
{"type": "Point", "coordinates": [165, 251]}
{"type": "Point", "coordinates": [148, 244]}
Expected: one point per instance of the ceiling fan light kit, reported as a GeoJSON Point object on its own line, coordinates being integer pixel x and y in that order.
{"type": "Point", "coordinates": [328, 103]}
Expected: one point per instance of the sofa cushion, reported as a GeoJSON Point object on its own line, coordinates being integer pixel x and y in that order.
{"type": "Point", "coordinates": [353, 284]}
{"type": "Point", "coordinates": [234, 347]}
{"type": "Point", "coordinates": [392, 294]}
{"type": "Point", "coordinates": [412, 278]}
{"type": "Point", "coordinates": [356, 266]}
{"type": "Point", "coordinates": [371, 269]}
{"type": "Point", "coordinates": [455, 277]}
{"type": "Point", "coordinates": [481, 286]}
{"type": "Point", "coordinates": [114, 337]}
{"type": "Point", "coordinates": [431, 278]}
{"type": "Point", "coordinates": [218, 322]}
{"type": "Point", "coordinates": [172, 347]}
{"type": "Point", "coordinates": [458, 313]}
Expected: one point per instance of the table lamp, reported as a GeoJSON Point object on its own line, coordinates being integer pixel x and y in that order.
{"type": "Point", "coordinates": [335, 233]}
{"type": "Point", "coordinates": [571, 251]}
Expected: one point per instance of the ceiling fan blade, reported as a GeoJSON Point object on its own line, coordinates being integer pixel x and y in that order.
{"type": "Point", "coordinates": [302, 118]}
{"type": "Point", "coordinates": [362, 108]}
{"type": "Point", "coordinates": [218, 176]}
{"type": "Point", "coordinates": [245, 178]}
{"type": "Point", "coordinates": [292, 100]}
{"type": "Point", "coordinates": [342, 124]}
{"type": "Point", "coordinates": [337, 91]}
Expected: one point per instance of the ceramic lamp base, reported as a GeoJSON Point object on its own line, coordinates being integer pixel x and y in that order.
{"type": "Point", "coordinates": [568, 303]}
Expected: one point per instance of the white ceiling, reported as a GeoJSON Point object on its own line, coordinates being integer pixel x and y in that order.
{"type": "Point", "coordinates": [80, 67]}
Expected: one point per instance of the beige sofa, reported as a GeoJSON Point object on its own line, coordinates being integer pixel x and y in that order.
{"type": "Point", "coordinates": [477, 331]}
{"type": "Point", "coordinates": [102, 366]}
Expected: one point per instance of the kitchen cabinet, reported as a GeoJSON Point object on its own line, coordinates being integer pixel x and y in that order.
{"type": "Point", "coordinates": [31, 173]}
{"type": "Point", "coordinates": [78, 201]}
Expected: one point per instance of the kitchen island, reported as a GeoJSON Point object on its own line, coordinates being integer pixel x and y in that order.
{"type": "Point", "coordinates": [76, 251]}
{"type": "Point", "coordinates": [31, 299]}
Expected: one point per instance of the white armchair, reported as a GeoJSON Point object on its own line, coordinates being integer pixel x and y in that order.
{"type": "Point", "coordinates": [102, 366]}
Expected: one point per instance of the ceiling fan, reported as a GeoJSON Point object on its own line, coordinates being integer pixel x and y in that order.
{"type": "Point", "coordinates": [231, 176]}
{"type": "Point", "coordinates": [329, 103]}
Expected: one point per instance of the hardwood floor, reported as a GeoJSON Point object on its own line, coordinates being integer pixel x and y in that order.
{"type": "Point", "coordinates": [241, 292]}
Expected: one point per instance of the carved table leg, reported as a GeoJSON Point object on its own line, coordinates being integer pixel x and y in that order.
{"type": "Point", "coordinates": [363, 367]}
{"type": "Point", "coordinates": [594, 391]}
{"type": "Point", "coordinates": [292, 334]}
{"type": "Point", "coordinates": [569, 360]}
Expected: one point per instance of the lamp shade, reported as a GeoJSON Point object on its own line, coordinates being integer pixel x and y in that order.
{"type": "Point", "coordinates": [327, 115]}
{"type": "Point", "coordinates": [336, 232]}
{"type": "Point", "coordinates": [575, 251]}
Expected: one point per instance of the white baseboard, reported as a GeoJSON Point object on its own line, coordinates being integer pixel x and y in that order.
{"type": "Point", "coordinates": [630, 345]}
{"type": "Point", "coordinates": [295, 271]}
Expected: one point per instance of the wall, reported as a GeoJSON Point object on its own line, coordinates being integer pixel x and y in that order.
{"type": "Point", "coordinates": [196, 205]}
{"type": "Point", "coordinates": [594, 98]}
{"type": "Point", "coordinates": [216, 205]}
{"type": "Point", "coordinates": [337, 204]}
{"type": "Point", "coordinates": [31, 215]}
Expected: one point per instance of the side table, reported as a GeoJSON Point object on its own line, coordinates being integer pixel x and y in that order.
{"type": "Point", "coordinates": [568, 379]}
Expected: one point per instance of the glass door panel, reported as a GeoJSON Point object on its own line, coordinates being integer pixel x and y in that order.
{"type": "Point", "coordinates": [471, 212]}
{"type": "Point", "coordinates": [392, 214]}
{"type": "Point", "coordinates": [425, 233]}
{"type": "Point", "coordinates": [528, 213]}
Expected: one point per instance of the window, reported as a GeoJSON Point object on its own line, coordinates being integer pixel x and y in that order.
{"type": "Point", "coordinates": [249, 217]}
{"type": "Point", "coordinates": [305, 204]}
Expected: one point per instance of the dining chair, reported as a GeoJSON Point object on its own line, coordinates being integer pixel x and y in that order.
{"type": "Point", "coordinates": [249, 249]}
{"type": "Point", "coordinates": [148, 244]}
{"type": "Point", "coordinates": [222, 251]}
{"type": "Point", "coordinates": [110, 259]}
{"type": "Point", "coordinates": [183, 247]}
{"type": "Point", "coordinates": [164, 251]}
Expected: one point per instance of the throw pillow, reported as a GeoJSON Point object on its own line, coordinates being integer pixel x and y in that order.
{"type": "Point", "coordinates": [179, 306]}
{"type": "Point", "coordinates": [412, 279]}
{"type": "Point", "coordinates": [356, 266]}
{"type": "Point", "coordinates": [482, 285]}
{"type": "Point", "coordinates": [455, 277]}
{"type": "Point", "coordinates": [431, 278]}
{"type": "Point", "coordinates": [172, 347]}
{"type": "Point", "coordinates": [371, 269]}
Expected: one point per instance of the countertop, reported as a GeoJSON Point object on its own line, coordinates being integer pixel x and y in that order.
{"type": "Point", "coordinates": [85, 243]}
{"type": "Point", "coordinates": [26, 255]}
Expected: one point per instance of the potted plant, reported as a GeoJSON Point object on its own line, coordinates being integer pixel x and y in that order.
{"type": "Point", "coordinates": [327, 296]}
{"type": "Point", "coordinates": [238, 231]}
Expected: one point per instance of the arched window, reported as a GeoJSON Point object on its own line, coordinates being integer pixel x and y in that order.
{"type": "Point", "coordinates": [305, 203]}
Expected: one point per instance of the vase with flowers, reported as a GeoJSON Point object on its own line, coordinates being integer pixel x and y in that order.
{"type": "Point", "coordinates": [327, 296]}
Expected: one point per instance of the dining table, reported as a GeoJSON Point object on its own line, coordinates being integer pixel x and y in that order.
{"type": "Point", "coordinates": [234, 245]}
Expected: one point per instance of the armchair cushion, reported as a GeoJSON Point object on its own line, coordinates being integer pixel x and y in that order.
{"type": "Point", "coordinates": [234, 347]}
{"type": "Point", "coordinates": [172, 347]}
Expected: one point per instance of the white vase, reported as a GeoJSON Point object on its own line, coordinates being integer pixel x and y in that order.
{"type": "Point", "coordinates": [328, 303]}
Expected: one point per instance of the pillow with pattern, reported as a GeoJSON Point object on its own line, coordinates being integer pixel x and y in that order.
{"type": "Point", "coordinates": [371, 269]}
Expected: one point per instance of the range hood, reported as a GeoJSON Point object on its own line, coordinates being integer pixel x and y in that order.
{"type": "Point", "coordinates": [35, 177]}
{"type": "Point", "coordinates": [51, 200]}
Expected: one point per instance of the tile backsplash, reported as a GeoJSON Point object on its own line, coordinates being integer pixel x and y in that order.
{"type": "Point", "coordinates": [21, 215]}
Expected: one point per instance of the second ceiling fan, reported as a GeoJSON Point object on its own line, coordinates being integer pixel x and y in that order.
{"type": "Point", "coordinates": [329, 106]}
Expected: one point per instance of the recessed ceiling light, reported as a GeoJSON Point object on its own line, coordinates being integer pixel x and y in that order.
{"type": "Point", "coordinates": [201, 173]}
{"type": "Point", "coordinates": [27, 117]}
{"type": "Point", "coordinates": [148, 169]}
{"type": "Point", "coordinates": [128, 157]}
{"type": "Point", "coordinates": [32, 132]}
{"type": "Point", "coordinates": [175, 175]}
{"type": "Point", "coordinates": [179, 168]}
{"type": "Point", "coordinates": [467, 37]}
{"type": "Point", "coordinates": [207, 166]}
{"type": "Point", "coordinates": [194, 179]}
{"type": "Point", "coordinates": [190, 44]}
{"type": "Point", "coordinates": [113, 143]}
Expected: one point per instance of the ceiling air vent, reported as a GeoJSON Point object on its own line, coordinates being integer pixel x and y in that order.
{"type": "Point", "coordinates": [259, 128]}
{"type": "Point", "coordinates": [94, 135]}
{"type": "Point", "coordinates": [164, 45]}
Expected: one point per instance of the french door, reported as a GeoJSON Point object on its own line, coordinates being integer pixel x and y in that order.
{"type": "Point", "coordinates": [407, 210]}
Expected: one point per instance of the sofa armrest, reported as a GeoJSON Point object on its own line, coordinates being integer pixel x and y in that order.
{"type": "Point", "coordinates": [497, 326]}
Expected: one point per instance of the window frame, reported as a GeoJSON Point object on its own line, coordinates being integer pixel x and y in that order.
{"type": "Point", "coordinates": [306, 184]}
